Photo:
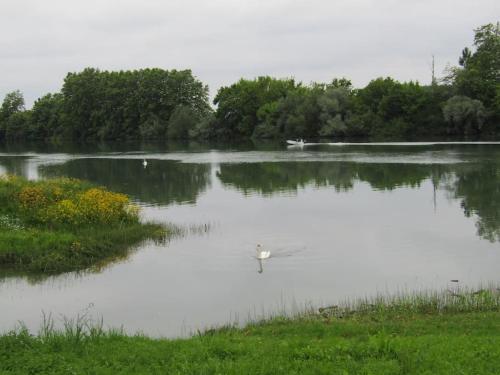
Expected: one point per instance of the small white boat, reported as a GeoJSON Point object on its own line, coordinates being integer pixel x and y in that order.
{"type": "Point", "coordinates": [300, 142]}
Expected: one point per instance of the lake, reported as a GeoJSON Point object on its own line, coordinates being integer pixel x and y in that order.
{"type": "Point", "coordinates": [341, 221]}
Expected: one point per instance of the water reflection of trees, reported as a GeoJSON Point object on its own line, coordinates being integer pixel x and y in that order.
{"type": "Point", "coordinates": [477, 186]}
{"type": "Point", "coordinates": [479, 190]}
{"type": "Point", "coordinates": [391, 176]}
{"type": "Point", "coordinates": [270, 178]}
{"type": "Point", "coordinates": [16, 165]}
{"type": "Point", "coordinates": [162, 182]}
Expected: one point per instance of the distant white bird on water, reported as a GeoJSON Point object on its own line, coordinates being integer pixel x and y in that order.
{"type": "Point", "coordinates": [261, 253]}
{"type": "Point", "coordinates": [144, 163]}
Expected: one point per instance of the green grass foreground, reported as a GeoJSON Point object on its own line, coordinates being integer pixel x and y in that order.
{"type": "Point", "coordinates": [429, 334]}
{"type": "Point", "coordinates": [62, 225]}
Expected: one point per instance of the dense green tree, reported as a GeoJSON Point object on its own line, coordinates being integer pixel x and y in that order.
{"type": "Point", "coordinates": [204, 128]}
{"type": "Point", "coordinates": [153, 127]}
{"type": "Point", "coordinates": [427, 116]}
{"type": "Point", "coordinates": [334, 105]}
{"type": "Point", "coordinates": [268, 116]}
{"type": "Point", "coordinates": [299, 112]}
{"type": "Point", "coordinates": [381, 102]}
{"type": "Point", "coordinates": [129, 104]}
{"type": "Point", "coordinates": [465, 115]}
{"type": "Point", "coordinates": [12, 119]}
{"type": "Point", "coordinates": [83, 94]}
{"type": "Point", "coordinates": [479, 77]}
{"type": "Point", "coordinates": [17, 126]}
{"type": "Point", "coordinates": [12, 103]}
{"type": "Point", "coordinates": [47, 119]}
{"type": "Point", "coordinates": [238, 104]}
{"type": "Point", "coordinates": [181, 122]}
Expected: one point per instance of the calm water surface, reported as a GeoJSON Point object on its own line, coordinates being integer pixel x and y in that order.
{"type": "Point", "coordinates": [340, 222]}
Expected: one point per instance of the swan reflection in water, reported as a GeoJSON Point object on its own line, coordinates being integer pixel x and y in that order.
{"type": "Point", "coordinates": [261, 269]}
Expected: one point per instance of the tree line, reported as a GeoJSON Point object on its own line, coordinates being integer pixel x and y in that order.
{"type": "Point", "coordinates": [94, 104]}
{"type": "Point", "coordinates": [161, 104]}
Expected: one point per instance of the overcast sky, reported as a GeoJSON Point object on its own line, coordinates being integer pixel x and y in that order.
{"type": "Point", "coordinates": [223, 40]}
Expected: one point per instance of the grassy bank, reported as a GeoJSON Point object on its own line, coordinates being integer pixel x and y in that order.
{"type": "Point", "coordinates": [451, 333]}
{"type": "Point", "coordinates": [65, 224]}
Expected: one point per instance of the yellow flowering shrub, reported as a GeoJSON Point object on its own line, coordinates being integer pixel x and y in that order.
{"type": "Point", "coordinates": [101, 206]}
{"type": "Point", "coordinates": [67, 202]}
{"type": "Point", "coordinates": [32, 197]}
{"type": "Point", "coordinates": [64, 211]}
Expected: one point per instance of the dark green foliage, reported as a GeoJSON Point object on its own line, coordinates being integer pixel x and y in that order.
{"type": "Point", "coordinates": [392, 109]}
{"type": "Point", "coordinates": [299, 113]}
{"type": "Point", "coordinates": [479, 77]}
{"type": "Point", "coordinates": [159, 104]}
{"type": "Point", "coordinates": [12, 116]}
{"type": "Point", "coordinates": [153, 127]}
{"type": "Point", "coordinates": [17, 125]}
{"type": "Point", "coordinates": [47, 118]}
{"type": "Point", "coordinates": [130, 104]}
{"type": "Point", "coordinates": [182, 121]}
{"type": "Point", "coordinates": [464, 115]}
{"type": "Point", "coordinates": [204, 128]}
{"type": "Point", "coordinates": [269, 108]}
{"type": "Point", "coordinates": [334, 106]}
{"type": "Point", "coordinates": [96, 104]}
{"type": "Point", "coordinates": [239, 103]}
{"type": "Point", "coordinates": [12, 103]}
{"type": "Point", "coordinates": [384, 108]}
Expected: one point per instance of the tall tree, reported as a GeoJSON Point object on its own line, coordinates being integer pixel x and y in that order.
{"type": "Point", "coordinates": [12, 104]}
{"type": "Point", "coordinates": [479, 76]}
{"type": "Point", "coordinates": [238, 104]}
{"type": "Point", "coordinates": [465, 115]}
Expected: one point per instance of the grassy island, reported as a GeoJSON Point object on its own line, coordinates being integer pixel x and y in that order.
{"type": "Point", "coordinates": [65, 224]}
{"type": "Point", "coordinates": [456, 333]}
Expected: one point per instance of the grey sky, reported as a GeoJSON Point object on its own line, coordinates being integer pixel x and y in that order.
{"type": "Point", "coordinates": [223, 40]}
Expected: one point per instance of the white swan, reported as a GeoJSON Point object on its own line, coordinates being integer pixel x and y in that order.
{"type": "Point", "coordinates": [144, 163]}
{"type": "Point", "coordinates": [261, 253]}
